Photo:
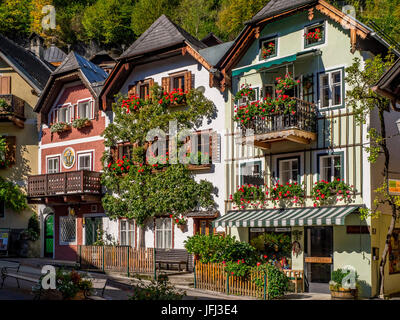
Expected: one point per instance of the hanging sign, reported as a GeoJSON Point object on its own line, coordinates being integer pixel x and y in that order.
{"type": "Point", "coordinates": [68, 158]}
{"type": "Point", "coordinates": [394, 187]}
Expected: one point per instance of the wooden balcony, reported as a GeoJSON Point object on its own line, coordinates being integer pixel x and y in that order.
{"type": "Point", "coordinates": [65, 187]}
{"type": "Point", "coordinates": [299, 127]}
{"type": "Point", "coordinates": [12, 109]}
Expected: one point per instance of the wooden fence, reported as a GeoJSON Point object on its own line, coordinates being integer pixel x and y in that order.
{"type": "Point", "coordinates": [211, 276]}
{"type": "Point", "coordinates": [116, 258]}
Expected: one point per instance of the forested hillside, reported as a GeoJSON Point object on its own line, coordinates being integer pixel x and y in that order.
{"type": "Point", "coordinates": [113, 23]}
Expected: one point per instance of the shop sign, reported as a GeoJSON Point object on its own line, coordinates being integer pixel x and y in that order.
{"type": "Point", "coordinates": [257, 229]}
{"type": "Point", "coordinates": [282, 229]}
{"type": "Point", "coordinates": [394, 187]}
{"type": "Point", "coordinates": [68, 158]}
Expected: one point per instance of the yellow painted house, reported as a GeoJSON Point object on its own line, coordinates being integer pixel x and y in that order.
{"type": "Point", "coordinates": [23, 75]}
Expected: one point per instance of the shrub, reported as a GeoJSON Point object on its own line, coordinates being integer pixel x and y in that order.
{"type": "Point", "coordinates": [238, 268]}
{"type": "Point", "coordinates": [33, 231]}
{"type": "Point", "coordinates": [12, 196]}
{"type": "Point", "coordinates": [156, 290]}
{"type": "Point", "coordinates": [278, 283]}
{"type": "Point", "coordinates": [337, 277]}
{"type": "Point", "coordinates": [273, 244]}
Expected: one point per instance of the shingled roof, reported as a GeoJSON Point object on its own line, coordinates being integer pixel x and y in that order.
{"type": "Point", "coordinates": [277, 6]}
{"type": "Point", "coordinates": [35, 71]}
{"type": "Point", "coordinates": [163, 33]}
{"type": "Point", "coordinates": [54, 54]}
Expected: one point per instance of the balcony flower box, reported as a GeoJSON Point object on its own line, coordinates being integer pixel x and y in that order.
{"type": "Point", "coordinates": [175, 98]}
{"type": "Point", "coordinates": [60, 127]}
{"type": "Point", "coordinates": [81, 123]}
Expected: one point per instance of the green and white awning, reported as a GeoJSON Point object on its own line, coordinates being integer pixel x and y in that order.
{"type": "Point", "coordinates": [285, 217]}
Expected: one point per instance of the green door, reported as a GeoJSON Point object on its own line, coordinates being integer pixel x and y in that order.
{"type": "Point", "coordinates": [48, 236]}
{"type": "Point", "coordinates": [93, 227]}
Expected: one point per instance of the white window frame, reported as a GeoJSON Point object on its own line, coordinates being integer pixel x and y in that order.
{"type": "Point", "coordinates": [131, 228]}
{"type": "Point", "coordinates": [163, 231]}
{"type": "Point", "coordinates": [85, 153]}
{"type": "Point", "coordinates": [64, 243]}
{"type": "Point", "coordinates": [243, 100]}
{"type": "Point", "coordinates": [90, 104]}
{"type": "Point", "coordinates": [291, 160]}
{"type": "Point", "coordinates": [331, 86]}
{"type": "Point", "coordinates": [252, 162]}
{"type": "Point", "coordinates": [69, 109]}
{"type": "Point", "coordinates": [332, 157]}
{"type": "Point", "coordinates": [51, 157]}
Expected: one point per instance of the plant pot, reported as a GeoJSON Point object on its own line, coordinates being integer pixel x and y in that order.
{"type": "Point", "coordinates": [79, 296]}
{"type": "Point", "coordinates": [51, 295]}
{"type": "Point", "coordinates": [182, 227]}
{"type": "Point", "coordinates": [344, 294]}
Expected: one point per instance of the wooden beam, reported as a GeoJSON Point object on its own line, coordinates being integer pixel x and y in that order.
{"type": "Point", "coordinates": [196, 56]}
{"type": "Point", "coordinates": [73, 199]}
{"type": "Point", "coordinates": [55, 200]}
{"type": "Point", "coordinates": [262, 145]}
{"type": "Point", "coordinates": [298, 139]}
{"type": "Point", "coordinates": [90, 198]}
{"type": "Point", "coordinates": [36, 201]}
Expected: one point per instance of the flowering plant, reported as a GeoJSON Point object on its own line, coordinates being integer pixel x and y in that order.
{"type": "Point", "coordinates": [293, 192]}
{"type": "Point", "coordinates": [81, 123]}
{"type": "Point", "coordinates": [133, 103]}
{"type": "Point", "coordinates": [59, 127]}
{"type": "Point", "coordinates": [314, 36]}
{"type": "Point", "coordinates": [121, 165]}
{"type": "Point", "coordinates": [285, 83]}
{"type": "Point", "coordinates": [4, 162]}
{"type": "Point", "coordinates": [325, 192]}
{"type": "Point", "coordinates": [237, 268]}
{"type": "Point", "coordinates": [158, 162]}
{"type": "Point", "coordinates": [199, 157]}
{"type": "Point", "coordinates": [176, 96]}
{"type": "Point", "coordinates": [249, 195]}
{"type": "Point", "coordinates": [246, 91]}
{"type": "Point", "coordinates": [180, 220]}
{"type": "Point", "coordinates": [269, 50]}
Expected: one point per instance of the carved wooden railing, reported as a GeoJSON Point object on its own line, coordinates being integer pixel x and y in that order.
{"type": "Point", "coordinates": [63, 183]}
{"type": "Point", "coordinates": [304, 118]}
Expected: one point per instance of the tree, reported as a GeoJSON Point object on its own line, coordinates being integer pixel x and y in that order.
{"type": "Point", "coordinates": [108, 22]}
{"type": "Point", "coordinates": [364, 102]}
{"type": "Point", "coordinates": [145, 12]}
{"type": "Point", "coordinates": [15, 19]}
{"type": "Point", "coordinates": [234, 13]}
{"type": "Point", "coordinates": [143, 192]}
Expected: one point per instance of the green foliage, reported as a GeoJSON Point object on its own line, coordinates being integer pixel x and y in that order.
{"type": "Point", "coordinates": [81, 123]}
{"type": "Point", "coordinates": [15, 18]}
{"type": "Point", "coordinates": [108, 22]}
{"type": "Point", "coordinates": [324, 192]}
{"type": "Point", "coordinates": [156, 290]}
{"type": "Point", "coordinates": [3, 153]}
{"type": "Point", "coordinates": [246, 91]}
{"type": "Point", "coordinates": [337, 277]}
{"type": "Point", "coordinates": [287, 193]}
{"type": "Point", "coordinates": [249, 196]}
{"type": "Point", "coordinates": [59, 127]}
{"type": "Point", "coordinates": [33, 230]}
{"type": "Point", "coordinates": [216, 248]}
{"type": "Point", "coordinates": [12, 196]}
{"type": "Point", "coordinates": [238, 268]}
{"type": "Point", "coordinates": [278, 283]}
{"type": "Point", "coordinates": [273, 245]}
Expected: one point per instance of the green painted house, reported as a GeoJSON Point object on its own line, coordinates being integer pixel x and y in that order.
{"type": "Point", "coordinates": [296, 52]}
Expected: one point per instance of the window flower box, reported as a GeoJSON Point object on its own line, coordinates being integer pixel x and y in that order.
{"type": "Point", "coordinates": [268, 49]}
{"type": "Point", "coordinates": [248, 196]}
{"type": "Point", "coordinates": [175, 98]}
{"type": "Point", "coordinates": [60, 127]}
{"type": "Point", "coordinates": [314, 35]}
{"type": "Point", "coordinates": [328, 193]}
{"type": "Point", "coordinates": [81, 123]}
{"type": "Point", "coordinates": [287, 194]}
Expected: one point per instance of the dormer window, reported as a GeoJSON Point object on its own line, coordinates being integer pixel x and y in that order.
{"type": "Point", "coordinates": [269, 48]}
{"type": "Point", "coordinates": [314, 35]}
{"type": "Point", "coordinates": [64, 114]}
{"type": "Point", "coordinates": [85, 110]}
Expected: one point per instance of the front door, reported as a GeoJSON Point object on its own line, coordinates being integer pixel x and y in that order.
{"type": "Point", "coordinates": [48, 235]}
{"type": "Point", "coordinates": [318, 258]}
{"type": "Point", "coordinates": [93, 227]}
{"type": "Point", "coordinates": [205, 227]}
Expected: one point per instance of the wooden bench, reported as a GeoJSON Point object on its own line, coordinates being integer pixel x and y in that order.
{"type": "Point", "coordinates": [296, 277]}
{"type": "Point", "coordinates": [99, 286]}
{"type": "Point", "coordinates": [11, 270]}
{"type": "Point", "coordinates": [172, 256]}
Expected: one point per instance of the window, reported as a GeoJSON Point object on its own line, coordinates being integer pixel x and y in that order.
{"type": "Point", "coordinates": [125, 151]}
{"type": "Point", "coordinates": [314, 35]}
{"type": "Point", "coordinates": [331, 89]}
{"type": "Point", "coordinates": [307, 85]}
{"type": "Point", "coordinates": [64, 115]}
{"type": "Point", "coordinates": [2, 209]}
{"type": "Point", "coordinates": [163, 233]}
{"type": "Point", "coordinates": [85, 110]}
{"type": "Point", "coordinates": [67, 230]}
{"type": "Point", "coordinates": [53, 165]}
{"type": "Point", "coordinates": [178, 82]}
{"type": "Point", "coordinates": [330, 167]}
{"type": "Point", "coordinates": [144, 91]}
{"type": "Point", "coordinates": [250, 173]}
{"type": "Point", "coordinates": [85, 161]}
{"type": "Point", "coordinates": [184, 80]}
{"type": "Point", "coordinates": [269, 91]}
{"type": "Point", "coordinates": [288, 170]}
{"type": "Point", "coordinates": [127, 232]}
{"type": "Point", "coordinates": [201, 146]}
{"type": "Point", "coordinates": [269, 48]}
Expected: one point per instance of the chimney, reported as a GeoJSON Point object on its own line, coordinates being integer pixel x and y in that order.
{"type": "Point", "coordinates": [36, 45]}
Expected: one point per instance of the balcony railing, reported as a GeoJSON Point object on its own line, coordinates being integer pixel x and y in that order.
{"type": "Point", "coordinates": [10, 104]}
{"type": "Point", "coordinates": [280, 126]}
{"type": "Point", "coordinates": [64, 183]}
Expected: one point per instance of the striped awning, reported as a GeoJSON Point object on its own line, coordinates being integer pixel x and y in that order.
{"type": "Point", "coordinates": [285, 217]}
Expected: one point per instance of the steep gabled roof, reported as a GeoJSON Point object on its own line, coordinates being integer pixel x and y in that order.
{"type": "Point", "coordinates": [74, 61]}
{"type": "Point", "coordinates": [277, 6]}
{"type": "Point", "coordinates": [54, 54]}
{"type": "Point", "coordinates": [35, 71]}
{"type": "Point", "coordinates": [163, 33]}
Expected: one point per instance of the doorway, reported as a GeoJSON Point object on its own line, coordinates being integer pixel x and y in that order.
{"type": "Point", "coordinates": [49, 235]}
{"type": "Point", "coordinates": [318, 258]}
{"type": "Point", "coordinates": [93, 227]}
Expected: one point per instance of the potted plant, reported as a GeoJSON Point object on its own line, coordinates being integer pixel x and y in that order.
{"type": "Point", "coordinates": [343, 284]}
{"type": "Point", "coordinates": [268, 50]}
{"type": "Point", "coordinates": [176, 97]}
{"type": "Point", "coordinates": [80, 123]}
{"type": "Point", "coordinates": [179, 220]}
{"type": "Point", "coordinates": [59, 127]}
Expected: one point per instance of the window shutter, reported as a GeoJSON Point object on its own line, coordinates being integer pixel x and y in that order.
{"type": "Point", "coordinates": [5, 83]}
{"type": "Point", "coordinates": [166, 84]}
{"type": "Point", "coordinates": [188, 80]}
{"type": "Point", "coordinates": [132, 90]}
{"type": "Point", "coordinates": [11, 149]}
{"type": "Point", "coordinates": [215, 147]}
{"type": "Point", "coordinates": [114, 153]}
